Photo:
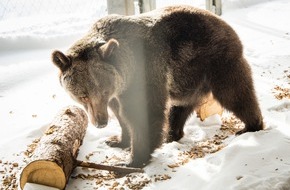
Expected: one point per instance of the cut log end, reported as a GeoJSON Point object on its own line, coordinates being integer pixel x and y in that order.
{"type": "Point", "coordinates": [208, 108]}
{"type": "Point", "coordinates": [43, 172]}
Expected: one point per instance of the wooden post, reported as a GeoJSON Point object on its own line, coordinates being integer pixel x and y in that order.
{"type": "Point", "coordinates": [55, 156]}
{"type": "Point", "coordinates": [214, 6]}
{"type": "Point", "coordinates": [208, 5]}
{"type": "Point", "coordinates": [147, 5]}
{"type": "Point", "coordinates": [218, 7]}
{"type": "Point", "coordinates": [122, 7]}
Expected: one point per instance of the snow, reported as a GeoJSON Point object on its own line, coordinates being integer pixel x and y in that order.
{"type": "Point", "coordinates": [30, 96]}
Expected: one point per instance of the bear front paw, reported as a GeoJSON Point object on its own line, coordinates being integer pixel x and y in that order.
{"type": "Point", "coordinates": [115, 141]}
{"type": "Point", "coordinates": [137, 164]}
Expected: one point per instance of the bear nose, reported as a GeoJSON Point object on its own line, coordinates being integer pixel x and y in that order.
{"type": "Point", "coordinates": [102, 124]}
{"type": "Point", "coordinates": [99, 123]}
{"type": "Point", "coordinates": [99, 118]}
{"type": "Point", "coordinates": [102, 120]}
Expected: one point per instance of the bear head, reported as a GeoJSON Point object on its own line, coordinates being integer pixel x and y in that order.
{"type": "Point", "coordinates": [88, 76]}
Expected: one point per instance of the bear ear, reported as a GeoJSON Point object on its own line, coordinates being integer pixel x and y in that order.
{"type": "Point", "coordinates": [60, 60]}
{"type": "Point", "coordinates": [108, 48]}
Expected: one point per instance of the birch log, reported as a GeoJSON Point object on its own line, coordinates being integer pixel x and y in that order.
{"type": "Point", "coordinates": [55, 156]}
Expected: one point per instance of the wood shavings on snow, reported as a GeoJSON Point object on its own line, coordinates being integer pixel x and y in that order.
{"type": "Point", "coordinates": [31, 147]}
{"type": "Point", "coordinates": [110, 180]}
{"type": "Point", "coordinates": [281, 93]}
{"type": "Point", "coordinates": [10, 170]}
{"type": "Point", "coordinates": [230, 125]}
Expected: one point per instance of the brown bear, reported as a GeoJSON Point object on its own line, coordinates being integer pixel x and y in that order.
{"type": "Point", "coordinates": [153, 69]}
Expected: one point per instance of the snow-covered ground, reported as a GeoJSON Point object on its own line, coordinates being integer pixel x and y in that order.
{"type": "Point", "coordinates": [208, 157]}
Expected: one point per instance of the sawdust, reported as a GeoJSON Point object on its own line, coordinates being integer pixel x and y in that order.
{"type": "Point", "coordinates": [230, 125]}
{"type": "Point", "coordinates": [281, 93]}
{"type": "Point", "coordinates": [111, 180]}
{"type": "Point", "coordinates": [9, 171]}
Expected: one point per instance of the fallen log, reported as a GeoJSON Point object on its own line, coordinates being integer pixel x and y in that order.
{"type": "Point", "coordinates": [54, 158]}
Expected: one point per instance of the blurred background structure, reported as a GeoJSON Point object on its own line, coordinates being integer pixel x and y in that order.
{"type": "Point", "coordinates": [23, 8]}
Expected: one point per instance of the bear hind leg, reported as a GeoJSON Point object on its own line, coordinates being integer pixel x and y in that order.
{"type": "Point", "coordinates": [245, 107]}
{"type": "Point", "coordinates": [235, 92]}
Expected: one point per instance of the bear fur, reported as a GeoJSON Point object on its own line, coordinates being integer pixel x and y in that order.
{"type": "Point", "coordinates": [153, 69]}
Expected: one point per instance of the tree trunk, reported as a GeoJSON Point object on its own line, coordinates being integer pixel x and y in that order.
{"type": "Point", "coordinates": [55, 156]}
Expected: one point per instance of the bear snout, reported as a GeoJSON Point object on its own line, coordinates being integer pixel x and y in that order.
{"type": "Point", "coordinates": [98, 117]}
{"type": "Point", "coordinates": [102, 124]}
{"type": "Point", "coordinates": [99, 123]}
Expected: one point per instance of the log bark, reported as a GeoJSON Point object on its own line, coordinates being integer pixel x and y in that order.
{"type": "Point", "coordinates": [55, 156]}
